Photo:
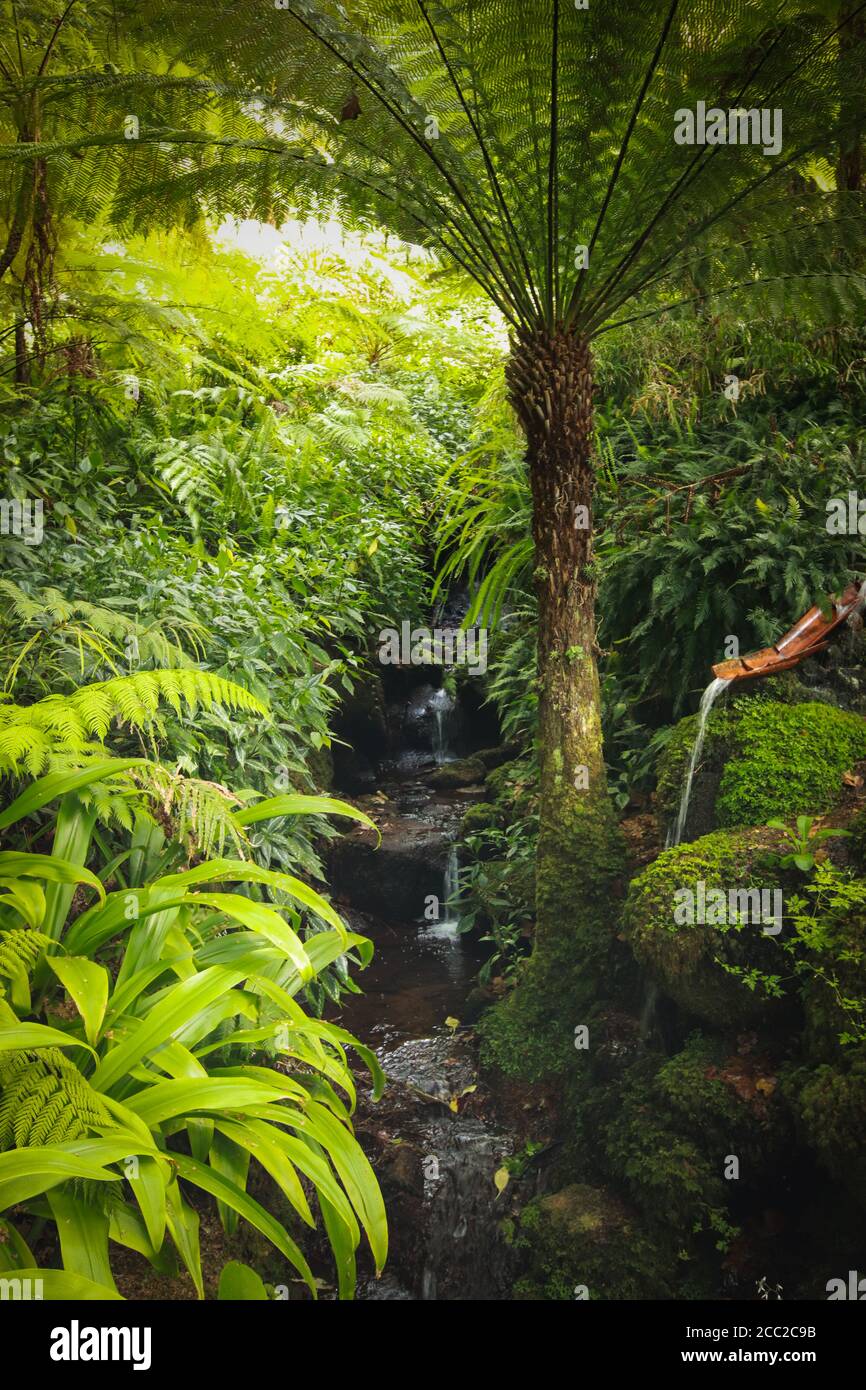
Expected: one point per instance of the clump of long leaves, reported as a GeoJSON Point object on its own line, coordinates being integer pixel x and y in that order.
{"type": "Point", "coordinates": [182, 1060]}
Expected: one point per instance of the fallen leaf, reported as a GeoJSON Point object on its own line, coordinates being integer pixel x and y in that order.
{"type": "Point", "coordinates": [501, 1179]}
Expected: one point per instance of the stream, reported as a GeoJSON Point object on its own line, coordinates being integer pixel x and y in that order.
{"type": "Point", "coordinates": [434, 1138]}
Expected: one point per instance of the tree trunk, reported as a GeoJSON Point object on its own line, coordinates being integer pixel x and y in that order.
{"type": "Point", "coordinates": [22, 359]}
{"type": "Point", "coordinates": [849, 170]}
{"type": "Point", "coordinates": [550, 385]}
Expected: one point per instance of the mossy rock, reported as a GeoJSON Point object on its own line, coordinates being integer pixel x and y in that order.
{"type": "Point", "coordinates": [510, 781]}
{"type": "Point", "coordinates": [726, 1103]}
{"type": "Point", "coordinates": [761, 758]}
{"type": "Point", "coordinates": [464, 772]}
{"type": "Point", "coordinates": [673, 1179]}
{"type": "Point", "coordinates": [829, 1106]}
{"type": "Point", "coordinates": [857, 829]}
{"type": "Point", "coordinates": [585, 1238]}
{"type": "Point", "coordinates": [685, 958]}
{"type": "Point", "coordinates": [480, 817]}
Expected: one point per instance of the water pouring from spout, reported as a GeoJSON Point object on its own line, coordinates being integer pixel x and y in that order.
{"type": "Point", "coordinates": [708, 699]}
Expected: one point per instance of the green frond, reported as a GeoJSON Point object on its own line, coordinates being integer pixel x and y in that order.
{"type": "Point", "coordinates": [71, 727]}
{"type": "Point", "coordinates": [44, 1099]}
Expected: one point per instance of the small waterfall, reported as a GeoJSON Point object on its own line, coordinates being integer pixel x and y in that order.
{"type": "Point", "coordinates": [451, 885]}
{"type": "Point", "coordinates": [648, 1011]}
{"type": "Point", "coordinates": [441, 705]}
{"type": "Point", "coordinates": [446, 928]}
{"type": "Point", "coordinates": [708, 699]}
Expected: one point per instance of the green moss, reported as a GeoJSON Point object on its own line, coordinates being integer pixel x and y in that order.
{"type": "Point", "coordinates": [674, 1180]}
{"type": "Point", "coordinates": [829, 1105]}
{"type": "Point", "coordinates": [480, 817]}
{"type": "Point", "coordinates": [790, 761]}
{"type": "Point", "coordinates": [776, 759]}
{"type": "Point", "coordinates": [725, 1103]}
{"type": "Point", "coordinates": [685, 958]}
{"type": "Point", "coordinates": [584, 1237]}
{"type": "Point", "coordinates": [580, 860]}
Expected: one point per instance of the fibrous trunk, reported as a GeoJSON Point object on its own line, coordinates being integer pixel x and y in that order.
{"type": "Point", "coordinates": [550, 385]}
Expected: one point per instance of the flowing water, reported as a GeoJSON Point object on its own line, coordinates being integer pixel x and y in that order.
{"type": "Point", "coordinates": [434, 1138]}
{"type": "Point", "coordinates": [708, 699]}
{"type": "Point", "coordinates": [442, 705]}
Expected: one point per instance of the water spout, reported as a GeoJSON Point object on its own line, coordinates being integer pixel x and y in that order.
{"type": "Point", "coordinates": [708, 699]}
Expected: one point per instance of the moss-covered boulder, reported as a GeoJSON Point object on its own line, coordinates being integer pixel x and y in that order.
{"type": "Point", "coordinates": [829, 1107]}
{"type": "Point", "coordinates": [463, 772]}
{"type": "Point", "coordinates": [726, 1102]}
{"type": "Point", "coordinates": [480, 817]}
{"type": "Point", "coordinates": [761, 758]}
{"type": "Point", "coordinates": [583, 1242]}
{"type": "Point", "coordinates": [694, 961]}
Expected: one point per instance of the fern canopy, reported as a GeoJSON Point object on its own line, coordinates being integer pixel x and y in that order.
{"type": "Point", "coordinates": [529, 141]}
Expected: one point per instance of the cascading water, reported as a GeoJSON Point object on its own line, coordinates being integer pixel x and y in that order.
{"type": "Point", "coordinates": [441, 705]}
{"type": "Point", "coordinates": [451, 885]}
{"type": "Point", "coordinates": [446, 930]}
{"type": "Point", "coordinates": [708, 699]}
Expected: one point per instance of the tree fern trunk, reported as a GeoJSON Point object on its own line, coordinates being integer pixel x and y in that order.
{"type": "Point", "coordinates": [550, 385]}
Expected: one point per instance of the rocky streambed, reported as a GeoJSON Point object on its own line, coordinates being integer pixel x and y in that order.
{"type": "Point", "coordinates": [440, 1135]}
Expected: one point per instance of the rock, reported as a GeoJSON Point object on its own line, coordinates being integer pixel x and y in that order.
{"type": "Point", "coordinates": [727, 1102]}
{"type": "Point", "coordinates": [361, 717]}
{"type": "Point", "coordinates": [353, 771]}
{"type": "Point", "coordinates": [477, 1000]}
{"type": "Point", "coordinates": [761, 758]}
{"type": "Point", "coordinates": [682, 957]}
{"type": "Point", "coordinates": [480, 817]}
{"type": "Point", "coordinates": [829, 1106]}
{"type": "Point", "coordinates": [392, 881]}
{"type": "Point", "coordinates": [495, 757]}
{"type": "Point", "coordinates": [464, 772]}
{"type": "Point", "coordinates": [585, 1238]}
{"type": "Point", "coordinates": [431, 719]}
{"type": "Point", "coordinates": [403, 1166]}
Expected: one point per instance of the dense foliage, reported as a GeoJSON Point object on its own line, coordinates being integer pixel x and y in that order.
{"type": "Point", "coordinates": [234, 450]}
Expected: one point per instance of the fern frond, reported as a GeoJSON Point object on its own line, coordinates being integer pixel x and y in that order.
{"type": "Point", "coordinates": [44, 1099]}
{"type": "Point", "coordinates": [73, 726]}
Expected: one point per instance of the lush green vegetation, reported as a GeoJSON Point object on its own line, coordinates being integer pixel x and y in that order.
{"type": "Point", "coordinates": [305, 332]}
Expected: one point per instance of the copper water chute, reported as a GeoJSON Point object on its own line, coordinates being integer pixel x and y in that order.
{"type": "Point", "coordinates": [808, 636]}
